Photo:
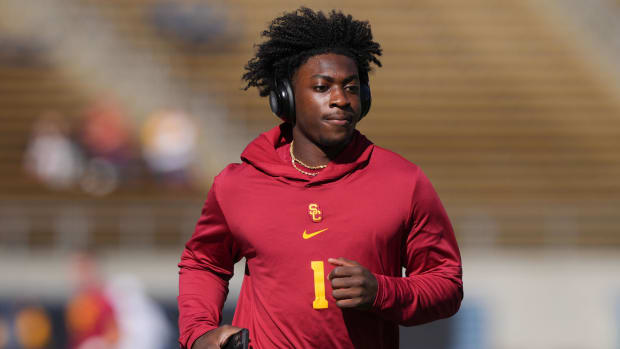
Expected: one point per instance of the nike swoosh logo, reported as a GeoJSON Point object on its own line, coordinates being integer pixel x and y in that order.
{"type": "Point", "coordinates": [308, 236]}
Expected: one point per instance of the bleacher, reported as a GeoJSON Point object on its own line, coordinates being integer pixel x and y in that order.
{"type": "Point", "coordinates": [140, 213]}
{"type": "Point", "coordinates": [520, 137]}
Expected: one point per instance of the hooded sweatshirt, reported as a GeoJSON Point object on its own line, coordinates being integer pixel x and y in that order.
{"type": "Point", "coordinates": [368, 205]}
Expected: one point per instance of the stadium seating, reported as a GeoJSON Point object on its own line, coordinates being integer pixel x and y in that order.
{"type": "Point", "coordinates": [519, 135]}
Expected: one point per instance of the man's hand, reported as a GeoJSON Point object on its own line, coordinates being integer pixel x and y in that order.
{"type": "Point", "coordinates": [216, 338]}
{"type": "Point", "coordinates": [353, 285]}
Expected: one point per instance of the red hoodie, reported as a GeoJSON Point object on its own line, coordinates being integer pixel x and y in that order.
{"type": "Point", "coordinates": [369, 205]}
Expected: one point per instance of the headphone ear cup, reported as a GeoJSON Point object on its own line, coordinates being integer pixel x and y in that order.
{"type": "Point", "coordinates": [276, 107]}
{"type": "Point", "coordinates": [282, 101]}
{"type": "Point", "coordinates": [365, 99]}
{"type": "Point", "coordinates": [290, 100]}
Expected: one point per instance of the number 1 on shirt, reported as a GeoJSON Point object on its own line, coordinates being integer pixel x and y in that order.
{"type": "Point", "coordinates": [319, 285]}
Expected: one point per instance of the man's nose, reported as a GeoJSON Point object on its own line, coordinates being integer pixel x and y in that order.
{"type": "Point", "coordinates": [338, 98]}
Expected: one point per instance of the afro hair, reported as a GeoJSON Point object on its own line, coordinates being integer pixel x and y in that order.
{"type": "Point", "coordinates": [296, 36]}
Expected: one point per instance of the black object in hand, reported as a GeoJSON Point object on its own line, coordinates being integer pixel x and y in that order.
{"type": "Point", "coordinates": [239, 340]}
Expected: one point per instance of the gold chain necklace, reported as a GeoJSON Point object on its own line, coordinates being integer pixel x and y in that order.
{"type": "Point", "coordinates": [294, 160]}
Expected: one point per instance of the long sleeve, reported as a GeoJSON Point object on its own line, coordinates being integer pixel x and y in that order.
{"type": "Point", "coordinates": [205, 268]}
{"type": "Point", "coordinates": [432, 288]}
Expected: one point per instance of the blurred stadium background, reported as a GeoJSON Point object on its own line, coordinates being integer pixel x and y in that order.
{"type": "Point", "coordinates": [116, 115]}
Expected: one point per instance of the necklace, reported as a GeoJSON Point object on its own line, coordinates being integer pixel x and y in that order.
{"type": "Point", "coordinates": [294, 160]}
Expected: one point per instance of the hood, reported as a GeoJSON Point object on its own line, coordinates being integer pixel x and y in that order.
{"type": "Point", "coordinates": [269, 153]}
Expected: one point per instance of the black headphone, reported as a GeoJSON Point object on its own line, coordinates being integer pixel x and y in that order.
{"type": "Point", "coordinates": [282, 100]}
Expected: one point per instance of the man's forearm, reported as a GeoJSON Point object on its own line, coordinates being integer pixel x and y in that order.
{"type": "Point", "coordinates": [201, 297]}
{"type": "Point", "coordinates": [418, 299]}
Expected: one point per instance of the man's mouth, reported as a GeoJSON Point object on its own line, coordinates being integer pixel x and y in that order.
{"type": "Point", "coordinates": [338, 119]}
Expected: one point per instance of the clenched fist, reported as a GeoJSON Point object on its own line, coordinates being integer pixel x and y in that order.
{"type": "Point", "coordinates": [353, 286]}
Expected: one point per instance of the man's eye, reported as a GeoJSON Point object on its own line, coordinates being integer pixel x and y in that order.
{"type": "Point", "coordinates": [320, 88]}
{"type": "Point", "coordinates": [353, 88]}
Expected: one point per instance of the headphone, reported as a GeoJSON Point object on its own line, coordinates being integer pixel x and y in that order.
{"type": "Point", "coordinates": [282, 100]}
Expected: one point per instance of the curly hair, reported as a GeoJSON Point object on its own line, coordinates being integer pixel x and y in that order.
{"type": "Point", "coordinates": [296, 36]}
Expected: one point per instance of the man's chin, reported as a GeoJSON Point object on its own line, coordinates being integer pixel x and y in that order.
{"type": "Point", "coordinates": [335, 142]}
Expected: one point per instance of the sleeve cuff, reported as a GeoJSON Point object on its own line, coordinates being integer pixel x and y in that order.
{"type": "Point", "coordinates": [196, 333]}
{"type": "Point", "coordinates": [380, 297]}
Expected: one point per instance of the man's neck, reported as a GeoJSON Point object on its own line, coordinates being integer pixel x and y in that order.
{"type": "Point", "coordinates": [314, 155]}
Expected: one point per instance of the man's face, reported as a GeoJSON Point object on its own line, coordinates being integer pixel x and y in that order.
{"type": "Point", "coordinates": [327, 100]}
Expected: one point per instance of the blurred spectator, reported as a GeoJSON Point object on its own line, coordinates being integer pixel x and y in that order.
{"type": "Point", "coordinates": [106, 133]}
{"type": "Point", "coordinates": [142, 323]}
{"type": "Point", "coordinates": [196, 23]}
{"type": "Point", "coordinates": [51, 156]}
{"type": "Point", "coordinates": [26, 325]}
{"type": "Point", "coordinates": [169, 145]}
{"type": "Point", "coordinates": [90, 315]}
{"type": "Point", "coordinates": [106, 138]}
{"type": "Point", "coordinates": [33, 327]}
{"type": "Point", "coordinates": [112, 314]}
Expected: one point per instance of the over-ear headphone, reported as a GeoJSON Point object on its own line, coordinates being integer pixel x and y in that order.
{"type": "Point", "coordinates": [282, 100]}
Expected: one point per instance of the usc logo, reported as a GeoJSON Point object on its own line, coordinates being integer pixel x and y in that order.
{"type": "Point", "coordinates": [315, 213]}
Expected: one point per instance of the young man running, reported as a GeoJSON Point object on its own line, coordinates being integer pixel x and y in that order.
{"type": "Point", "coordinates": [325, 219]}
